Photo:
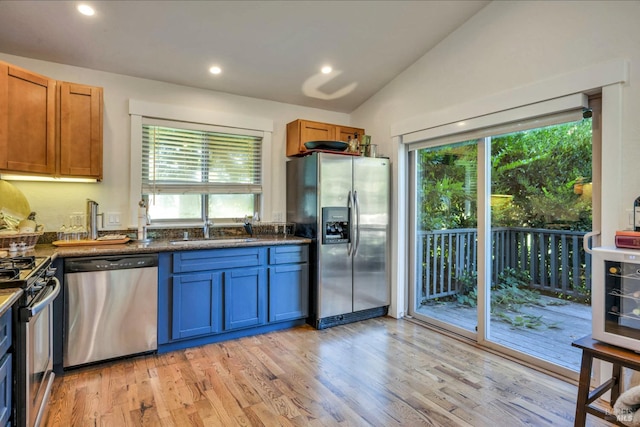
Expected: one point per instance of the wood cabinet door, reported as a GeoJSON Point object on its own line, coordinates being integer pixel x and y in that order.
{"type": "Point", "coordinates": [80, 146]}
{"type": "Point", "coordinates": [344, 132]}
{"type": "Point", "coordinates": [27, 121]}
{"type": "Point", "coordinates": [315, 131]}
{"type": "Point", "coordinates": [301, 131]}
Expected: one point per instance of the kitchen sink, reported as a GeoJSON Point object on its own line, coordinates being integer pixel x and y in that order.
{"type": "Point", "coordinates": [212, 242]}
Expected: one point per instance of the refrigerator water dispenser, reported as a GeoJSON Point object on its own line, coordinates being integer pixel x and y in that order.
{"type": "Point", "coordinates": [335, 225]}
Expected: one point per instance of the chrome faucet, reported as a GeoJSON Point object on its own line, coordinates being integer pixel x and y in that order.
{"type": "Point", "coordinates": [207, 227]}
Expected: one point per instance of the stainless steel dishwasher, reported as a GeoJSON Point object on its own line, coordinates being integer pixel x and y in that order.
{"type": "Point", "coordinates": [111, 307]}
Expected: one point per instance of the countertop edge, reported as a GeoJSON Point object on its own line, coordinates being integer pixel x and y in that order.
{"type": "Point", "coordinates": [8, 297]}
{"type": "Point", "coordinates": [157, 247]}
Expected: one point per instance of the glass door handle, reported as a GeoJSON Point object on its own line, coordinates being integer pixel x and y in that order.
{"type": "Point", "coordinates": [587, 237]}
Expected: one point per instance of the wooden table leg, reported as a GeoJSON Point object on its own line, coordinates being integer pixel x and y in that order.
{"type": "Point", "coordinates": [616, 373]}
{"type": "Point", "coordinates": [583, 388]}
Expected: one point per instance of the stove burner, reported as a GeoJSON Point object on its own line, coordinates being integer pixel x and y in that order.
{"type": "Point", "coordinates": [7, 274]}
{"type": "Point", "coordinates": [19, 262]}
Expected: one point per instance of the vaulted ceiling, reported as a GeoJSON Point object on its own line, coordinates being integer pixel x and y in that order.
{"type": "Point", "coordinates": [266, 49]}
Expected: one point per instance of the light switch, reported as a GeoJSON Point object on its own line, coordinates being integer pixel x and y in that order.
{"type": "Point", "coordinates": [113, 218]}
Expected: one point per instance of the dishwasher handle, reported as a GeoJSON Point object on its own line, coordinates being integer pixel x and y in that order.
{"type": "Point", "coordinates": [81, 265]}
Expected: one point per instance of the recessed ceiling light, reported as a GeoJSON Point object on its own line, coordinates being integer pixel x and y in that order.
{"type": "Point", "coordinates": [215, 70]}
{"type": "Point", "coordinates": [326, 69]}
{"type": "Point", "coordinates": [85, 9]}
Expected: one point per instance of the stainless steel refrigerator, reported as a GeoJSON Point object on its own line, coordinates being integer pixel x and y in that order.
{"type": "Point", "coordinates": [342, 203]}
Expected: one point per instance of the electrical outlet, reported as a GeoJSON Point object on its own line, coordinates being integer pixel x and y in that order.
{"type": "Point", "coordinates": [113, 218]}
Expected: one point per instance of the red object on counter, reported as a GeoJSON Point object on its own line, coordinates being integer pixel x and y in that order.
{"type": "Point", "coordinates": [628, 239]}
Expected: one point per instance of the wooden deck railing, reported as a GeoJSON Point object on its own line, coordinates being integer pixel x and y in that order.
{"type": "Point", "coordinates": [555, 259]}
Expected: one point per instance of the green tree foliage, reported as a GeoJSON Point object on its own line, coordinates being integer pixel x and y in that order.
{"type": "Point", "coordinates": [537, 167]}
{"type": "Point", "coordinates": [447, 179]}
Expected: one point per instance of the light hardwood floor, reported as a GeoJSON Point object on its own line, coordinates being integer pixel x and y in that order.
{"type": "Point", "coordinates": [378, 372]}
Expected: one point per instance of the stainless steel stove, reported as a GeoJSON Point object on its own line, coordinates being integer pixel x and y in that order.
{"type": "Point", "coordinates": [34, 333]}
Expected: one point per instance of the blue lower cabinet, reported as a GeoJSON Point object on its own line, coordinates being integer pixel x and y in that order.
{"type": "Point", "coordinates": [245, 298]}
{"type": "Point", "coordinates": [214, 295]}
{"type": "Point", "coordinates": [5, 332]}
{"type": "Point", "coordinates": [288, 292]}
{"type": "Point", "coordinates": [197, 304]}
{"type": "Point", "coordinates": [6, 387]}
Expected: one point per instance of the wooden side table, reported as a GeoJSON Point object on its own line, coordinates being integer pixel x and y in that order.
{"type": "Point", "coordinates": [619, 358]}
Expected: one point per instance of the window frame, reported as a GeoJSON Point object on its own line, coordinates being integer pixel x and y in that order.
{"type": "Point", "coordinates": [176, 116]}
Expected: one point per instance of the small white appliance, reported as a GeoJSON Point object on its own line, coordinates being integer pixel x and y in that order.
{"type": "Point", "coordinates": [615, 296]}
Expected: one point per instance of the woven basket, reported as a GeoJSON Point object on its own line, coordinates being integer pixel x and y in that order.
{"type": "Point", "coordinates": [29, 239]}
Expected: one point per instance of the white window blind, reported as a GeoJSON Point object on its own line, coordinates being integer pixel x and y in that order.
{"type": "Point", "coordinates": [177, 160]}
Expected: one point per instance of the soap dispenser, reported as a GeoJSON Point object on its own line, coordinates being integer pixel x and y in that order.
{"type": "Point", "coordinates": [143, 221]}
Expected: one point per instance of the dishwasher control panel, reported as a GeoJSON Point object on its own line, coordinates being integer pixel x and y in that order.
{"type": "Point", "coordinates": [79, 265]}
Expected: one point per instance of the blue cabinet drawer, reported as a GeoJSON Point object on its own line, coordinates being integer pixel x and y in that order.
{"type": "Point", "coordinates": [288, 254]}
{"type": "Point", "coordinates": [5, 332]}
{"type": "Point", "coordinates": [217, 259]}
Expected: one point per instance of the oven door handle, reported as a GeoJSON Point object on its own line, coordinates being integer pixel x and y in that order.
{"type": "Point", "coordinates": [27, 313]}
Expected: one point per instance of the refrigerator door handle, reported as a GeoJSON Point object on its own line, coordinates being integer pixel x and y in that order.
{"type": "Point", "coordinates": [350, 205]}
{"type": "Point", "coordinates": [356, 204]}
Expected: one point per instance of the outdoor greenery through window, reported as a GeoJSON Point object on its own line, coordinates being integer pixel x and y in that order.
{"type": "Point", "coordinates": [537, 180]}
{"type": "Point", "coordinates": [189, 174]}
{"type": "Point", "coordinates": [545, 175]}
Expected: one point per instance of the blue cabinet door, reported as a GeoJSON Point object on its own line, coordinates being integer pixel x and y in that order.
{"type": "Point", "coordinates": [196, 304]}
{"type": "Point", "coordinates": [6, 387]}
{"type": "Point", "coordinates": [288, 292]}
{"type": "Point", "coordinates": [245, 298]}
{"type": "Point", "coordinates": [5, 331]}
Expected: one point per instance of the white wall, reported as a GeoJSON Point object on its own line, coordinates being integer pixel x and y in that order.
{"type": "Point", "coordinates": [53, 202]}
{"type": "Point", "coordinates": [512, 44]}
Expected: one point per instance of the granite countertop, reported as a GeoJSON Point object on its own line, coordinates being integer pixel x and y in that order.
{"type": "Point", "coordinates": [161, 246]}
{"type": "Point", "coordinates": [8, 297]}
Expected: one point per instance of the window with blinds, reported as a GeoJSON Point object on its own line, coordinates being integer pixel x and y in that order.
{"type": "Point", "coordinates": [189, 161]}
{"type": "Point", "coordinates": [190, 174]}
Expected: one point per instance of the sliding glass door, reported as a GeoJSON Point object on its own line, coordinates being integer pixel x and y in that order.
{"type": "Point", "coordinates": [515, 207]}
{"type": "Point", "coordinates": [540, 210]}
{"type": "Point", "coordinates": [446, 234]}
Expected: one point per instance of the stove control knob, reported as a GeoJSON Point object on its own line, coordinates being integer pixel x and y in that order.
{"type": "Point", "coordinates": [39, 284]}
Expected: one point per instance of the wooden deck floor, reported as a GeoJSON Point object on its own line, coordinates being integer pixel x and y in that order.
{"type": "Point", "coordinates": [377, 372]}
{"type": "Point", "coordinates": [551, 341]}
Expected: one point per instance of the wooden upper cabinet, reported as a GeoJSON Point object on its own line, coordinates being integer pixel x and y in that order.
{"type": "Point", "coordinates": [27, 121]}
{"type": "Point", "coordinates": [80, 130]}
{"type": "Point", "coordinates": [301, 131]}
{"type": "Point", "coordinates": [343, 133]}
{"type": "Point", "coordinates": [47, 127]}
